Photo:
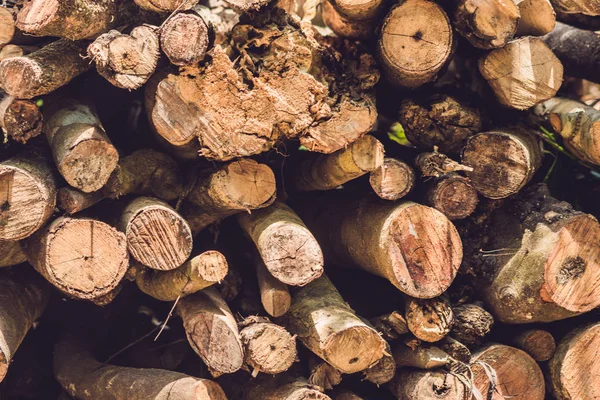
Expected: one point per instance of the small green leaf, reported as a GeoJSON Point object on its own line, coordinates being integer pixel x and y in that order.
{"type": "Point", "coordinates": [39, 102]}
{"type": "Point", "coordinates": [548, 134]}
{"type": "Point", "coordinates": [397, 134]}
{"type": "Point", "coordinates": [302, 148]}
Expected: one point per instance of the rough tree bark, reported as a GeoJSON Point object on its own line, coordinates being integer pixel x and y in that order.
{"type": "Point", "coordinates": [238, 186]}
{"type": "Point", "coordinates": [71, 200]}
{"type": "Point", "coordinates": [328, 171]}
{"type": "Point", "coordinates": [82, 152]}
{"type": "Point", "coordinates": [502, 161]}
{"type": "Point", "coordinates": [429, 319]}
{"type": "Point", "coordinates": [517, 374]}
{"type": "Point", "coordinates": [185, 37]}
{"type": "Point", "coordinates": [212, 331]}
{"type": "Point", "coordinates": [83, 377]}
{"type": "Point", "coordinates": [72, 19]}
{"type": "Point", "coordinates": [82, 257]}
{"type": "Point", "coordinates": [20, 119]}
{"type": "Point", "coordinates": [157, 236]}
{"type": "Point", "coordinates": [411, 384]}
{"type": "Point", "coordinates": [274, 295]}
{"type": "Point", "coordinates": [126, 61]}
{"type": "Point", "coordinates": [288, 249]}
{"type": "Point", "coordinates": [540, 263]}
{"type": "Point", "coordinates": [199, 272]}
{"type": "Point", "coordinates": [43, 71]}
{"type": "Point", "coordinates": [393, 180]}
{"type": "Point", "coordinates": [453, 195]}
{"type": "Point", "coordinates": [538, 343]}
{"type": "Point", "coordinates": [23, 301]}
{"type": "Point", "coordinates": [439, 120]}
{"type": "Point", "coordinates": [11, 253]}
{"type": "Point", "coordinates": [537, 17]}
{"type": "Point", "coordinates": [268, 348]}
{"type": "Point", "coordinates": [486, 24]}
{"type": "Point", "coordinates": [415, 247]}
{"type": "Point", "coordinates": [576, 123]}
{"type": "Point", "coordinates": [415, 42]}
{"type": "Point", "coordinates": [471, 324]}
{"type": "Point", "coordinates": [329, 328]}
{"type": "Point", "coordinates": [522, 73]}
{"type": "Point", "coordinates": [574, 367]}
{"type": "Point", "coordinates": [27, 194]}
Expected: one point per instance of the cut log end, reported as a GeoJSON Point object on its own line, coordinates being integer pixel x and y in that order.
{"type": "Point", "coordinates": [454, 196]}
{"type": "Point", "coordinates": [269, 348]}
{"type": "Point", "coordinates": [429, 320]}
{"type": "Point", "coordinates": [245, 185]}
{"type": "Point", "coordinates": [185, 38]}
{"type": "Point", "coordinates": [20, 77]}
{"type": "Point", "coordinates": [341, 351]}
{"type": "Point", "coordinates": [537, 17]}
{"type": "Point", "coordinates": [166, 6]}
{"type": "Point", "coordinates": [487, 24]}
{"type": "Point", "coordinates": [21, 119]}
{"type": "Point", "coordinates": [412, 384]}
{"type": "Point", "coordinates": [539, 344]}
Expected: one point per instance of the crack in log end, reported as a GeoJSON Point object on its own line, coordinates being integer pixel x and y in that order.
{"type": "Point", "coordinates": [573, 268]}
{"type": "Point", "coordinates": [441, 391]}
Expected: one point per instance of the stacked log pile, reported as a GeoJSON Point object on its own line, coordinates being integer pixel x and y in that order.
{"type": "Point", "coordinates": [271, 200]}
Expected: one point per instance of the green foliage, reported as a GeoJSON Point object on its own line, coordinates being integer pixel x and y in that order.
{"type": "Point", "coordinates": [397, 134]}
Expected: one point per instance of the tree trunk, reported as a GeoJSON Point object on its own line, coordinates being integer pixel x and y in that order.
{"type": "Point", "coordinates": [416, 384]}
{"type": "Point", "coordinates": [393, 180]}
{"type": "Point", "coordinates": [471, 324]}
{"type": "Point", "coordinates": [323, 375]}
{"type": "Point", "coordinates": [577, 124]}
{"type": "Point", "coordinates": [72, 19]}
{"type": "Point", "coordinates": [522, 73]}
{"type": "Point", "coordinates": [288, 388]}
{"type": "Point", "coordinates": [157, 236]}
{"type": "Point", "coordinates": [503, 162]}
{"type": "Point", "coordinates": [166, 6]}
{"type": "Point", "coordinates": [415, 247]}
{"type": "Point", "coordinates": [212, 331]}
{"type": "Point", "coordinates": [23, 301]}
{"type": "Point", "coordinates": [268, 348]}
{"type": "Point", "coordinates": [238, 186]}
{"type": "Point", "coordinates": [541, 260]}
{"type": "Point", "coordinates": [126, 61]}
{"type": "Point", "coordinates": [516, 373]}
{"type": "Point", "coordinates": [185, 37]}
{"type": "Point", "coordinates": [47, 69]}
{"type": "Point", "coordinates": [11, 253]}
{"type": "Point", "coordinates": [27, 195]}
{"type": "Point", "coordinates": [539, 344]}
{"type": "Point", "coordinates": [486, 24]}
{"type": "Point", "coordinates": [574, 367]}
{"type": "Point", "coordinates": [329, 328]}
{"type": "Point", "coordinates": [422, 357]}
{"type": "Point", "coordinates": [415, 42]}
{"type": "Point", "coordinates": [20, 119]}
{"type": "Point", "coordinates": [328, 171]}
{"type": "Point", "coordinates": [288, 249]}
{"type": "Point", "coordinates": [274, 295]}
{"type": "Point", "coordinates": [83, 153]}
{"type": "Point", "coordinates": [537, 18]}
{"type": "Point", "coordinates": [199, 272]}
{"type": "Point", "coordinates": [453, 195]}
{"type": "Point", "coordinates": [82, 257]}
{"type": "Point", "coordinates": [391, 326]}
{"type": "Point", "coordinates": [88, 379]}
{"type": "Point", "coordinates": [429, 319]}
{"type": "Point", "coordinates": [439, 120]}
{"type": "Point", "coordinates": [72, 201]}
{"type": "Point", "coordinates": [591, 8]}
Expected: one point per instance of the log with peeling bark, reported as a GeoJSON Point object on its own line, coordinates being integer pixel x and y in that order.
{"type": "Point", "coordinates": [328, 171]}
{"type": "Point", "coordinates": [516, 373]}
{"type": "Point", "coordinates": [84, 377]}
{"type": "Point", "coordinates": [268, 348]}
{"type": "Point", "coordinates": [157, 236]}
{"type": "Point", "coordinates": [486, 24]}
{"type": "Point", "coordinates": [393, 180]}
{"type": "Point", "coordinates": [415, 42]}
{"type": "Point", "coordinates": [537, 17]}
{"type": "Point", "coordinates": [235, 187]}
{"type": "Point", "coordinates": [502, 162]}
{"type": "Point", "coordinates": [11, 253]}
{"type": "Point", "coordinates": [538, 343]}
{"type": "Point", "coordinates": [285, 388]}
{"type": "Point", "coordinates": [471, 324]}
{"type": "Point", "coordinates": [326, 325]}
{"type": "Point", "coordinates": [274, 294]}
{"type": "Point", "coordinates": [540, 260]}
{"type": "Point", "coordinates": [27, 194]}
{"type": "Point", "coordinates": [24, 297]}
{"type": "Point", "coordinates": [288, 249]}
{"type": "Point", "coordinates": [522, 73]}
{"type": "Point", "coordinates": [591, 8]}
{"type": "Point", "coordinates": [43, 71]}
{"type": "Point", "coordinates": [20, 119]}
{"type": "Point", "coordinates": [576, 123]}
{"type": "Point", "coordinates": [453, 195]}
{"type": "Point", "coordinates": [199, 272]}
{"type": "Point", "coordinates": [412, 384]}
{"type": "Point", "coordinates": [83, 257]}
{"type": "Point", "coordinates": [574, 367]}
{"type": "Point", "coordinates": [423, 357]}
{"type": "Point", "coordinates": [166, 6]}
{"type": "Point", "coordinates": [72, 19]}
{"type": "Point", "coordinates": [185, 37]}
{"type": "Point", "coordinates": [212, 331]}
{"type": "Point", "coordinates": [415, 247]}
{"type": "Point", "coordinates": [391, 326]}
{"type": "Point", "coordinates": [126, 61]}
{"type": "Point", "coordinates": [82, 152]}
{"type": "Point", "coordinates": [323, 375]}
{"type": "Point", "coordinates": [429, 319]}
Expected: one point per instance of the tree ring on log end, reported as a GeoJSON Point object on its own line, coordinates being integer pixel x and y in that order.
{"type": "Point", "coordinates": [345, 350]}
